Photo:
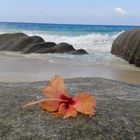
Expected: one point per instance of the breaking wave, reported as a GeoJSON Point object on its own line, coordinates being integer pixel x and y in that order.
{"type": "Point", "coordinates": [90, 42]}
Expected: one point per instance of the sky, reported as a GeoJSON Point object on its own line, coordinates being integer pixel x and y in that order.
{"type": "Point", "coordinates": [102, 12]}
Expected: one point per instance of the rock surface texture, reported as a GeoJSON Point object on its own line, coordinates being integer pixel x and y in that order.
{"type": "Point", "coordinates": [23, 43]}
{"type": "Point", "coordinates": [117, 116]}
{"type": "Point", "coordinates": [127, 46]}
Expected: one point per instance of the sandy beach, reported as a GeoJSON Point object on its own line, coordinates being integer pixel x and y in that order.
{"type": "Point", "coordinates": [132, 77]}
{"type": "Point", "coordinates": [26, 69]}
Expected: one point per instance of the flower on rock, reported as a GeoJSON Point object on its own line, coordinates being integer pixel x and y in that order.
{"type": "Point", "coordinates": [60, 104]}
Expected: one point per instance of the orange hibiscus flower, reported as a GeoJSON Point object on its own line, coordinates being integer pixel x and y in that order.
{"type": "Point", "coordinates": [61, 105]}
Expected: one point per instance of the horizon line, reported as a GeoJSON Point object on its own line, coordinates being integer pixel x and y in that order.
{"type": "Point", "coordinates": [82, 24]}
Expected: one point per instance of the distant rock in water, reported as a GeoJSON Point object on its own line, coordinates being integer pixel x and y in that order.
{"type": "Point", "coordinates": [35, 44]}
{"type": "Point", "coordinates": [79, 52]}
{"type": "Point", "coordinates": [127, 46]}
{"type": "Point", "coordinates": [63, 47]}
{"type": "Point", "coordinates": [41, 47]}
{"type": "Point", "coordinates": [18, 41]}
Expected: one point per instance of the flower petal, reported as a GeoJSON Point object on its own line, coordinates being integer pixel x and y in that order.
{"type": "Point", "coordinates": [71, 112]}
{"type": "Point", "coordinates": [49, 105]}
{"type": "Point", "coordinates": [65, 111]}
{"type": "Point", "coordinates": [85, 103]}
{"type": "Point", "coordinates": [56, 88]}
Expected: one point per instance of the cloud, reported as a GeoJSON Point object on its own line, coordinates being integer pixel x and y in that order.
{"type": "Point", "coordinates": [121, 11]}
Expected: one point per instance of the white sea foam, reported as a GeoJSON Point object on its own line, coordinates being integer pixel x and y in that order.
{"type": "Point", "coordinates": [90, 42]}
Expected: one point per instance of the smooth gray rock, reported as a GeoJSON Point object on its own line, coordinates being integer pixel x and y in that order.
{"type": "Point", "coordinates": [127, 46]}
{"type": "Point", "coordinates": [63, 48]}
{"type": "Point", "coordinates": [79, 52]}
{"type": "Point", "coordinates": [67, 48]}
{"type": "Point", "coordinates": [34, 44]}
{"type": "Point", "coordinates": [18, 41]}
{"type": "Point", "coordinates": [40, 47]}
{"type": "Point", "coordinates": [117, 115]}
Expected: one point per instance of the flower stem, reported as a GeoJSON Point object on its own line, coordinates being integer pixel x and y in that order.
{"type": "Point", "coordinates": [40, 101]}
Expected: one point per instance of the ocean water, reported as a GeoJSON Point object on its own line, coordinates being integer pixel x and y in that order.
{"type": "Point", "coordinates": [96, 39]}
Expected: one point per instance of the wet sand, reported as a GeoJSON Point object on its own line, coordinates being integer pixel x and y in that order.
{"type": "Point", "coordinates": [38, 70]}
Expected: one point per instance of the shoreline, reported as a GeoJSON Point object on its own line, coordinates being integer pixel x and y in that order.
{"type": "Point", "coordinates": [127, 76]}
